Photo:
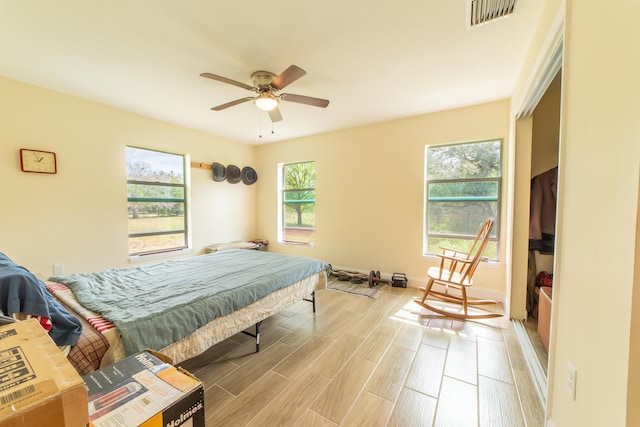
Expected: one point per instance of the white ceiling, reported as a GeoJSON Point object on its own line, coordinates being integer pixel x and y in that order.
{"type": "Point", "coordinates": [375, 60]}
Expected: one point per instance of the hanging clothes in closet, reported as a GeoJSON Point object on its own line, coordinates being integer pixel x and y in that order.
{"type": "Point", "coordinates": [542, 228]}
{"type": "Point", "coordinates": [542, 221]}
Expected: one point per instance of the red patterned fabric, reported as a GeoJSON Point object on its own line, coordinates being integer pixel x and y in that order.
{"type": "Point", "coordinates": [92, 345]}
{"type": "Point", "coordinates": [45, 322]}
{"type": "Point", "coordinates": [65, 296]}
{"type": "Point", "coordinates": [87, 354]}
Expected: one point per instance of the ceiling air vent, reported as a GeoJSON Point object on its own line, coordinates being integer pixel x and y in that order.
{"type": "Point", "coordinates": [482, 11]}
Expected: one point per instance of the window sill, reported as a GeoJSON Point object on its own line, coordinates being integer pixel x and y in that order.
{"type": "Point", "coordinates": [304, 244]}
{"type": "Point", "coordinates": [160, 255]}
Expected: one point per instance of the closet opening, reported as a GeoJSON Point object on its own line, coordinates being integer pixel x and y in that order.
{"type": "Point", "coordinates": [543, 133]}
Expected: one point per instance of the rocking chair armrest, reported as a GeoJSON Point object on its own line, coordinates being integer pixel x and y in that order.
{"type": "Point", "coordinates": [453, 255]}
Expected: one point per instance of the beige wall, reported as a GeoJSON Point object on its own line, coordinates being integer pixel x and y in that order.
{"type": "Point", "coordinates": [597, 213]}
{"type": "Point", "coordinates": [546, 129]}
{"type": "Point", "coordinates": [633, 395]}
{"type": "Point", "coordinates": [78, 217]}
{"type": "Point", "coordinates": [370, 190]}
{"type": "Point", "coordinates": [599, 191]}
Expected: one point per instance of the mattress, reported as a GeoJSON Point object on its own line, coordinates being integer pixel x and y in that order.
{"type": "Point", "coordinates": [154, 305]}
{"type": "Point", "coordinates": [269, 302]}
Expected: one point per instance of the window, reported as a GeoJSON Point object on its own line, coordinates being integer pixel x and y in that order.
{"type": "Point", "coordinates": [156, 192]}
{"type": "Point", "coordinates": [298, 207]}
{"type": "Point", "coordinates": [462, 190]}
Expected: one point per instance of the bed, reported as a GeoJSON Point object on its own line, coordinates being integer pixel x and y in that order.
{"type": "Point", "coordinates": [181, 307]}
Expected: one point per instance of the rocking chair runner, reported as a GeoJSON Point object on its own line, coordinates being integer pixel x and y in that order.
{"type": "Point", "coordinates": [455, 273]}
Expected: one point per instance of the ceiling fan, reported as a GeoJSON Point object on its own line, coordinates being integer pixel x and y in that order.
{"type": "Point", "coordinates": [267, 85]}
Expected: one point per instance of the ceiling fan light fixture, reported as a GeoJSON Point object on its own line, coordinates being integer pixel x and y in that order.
{"type": "Point", "coordinates": [266, 101]}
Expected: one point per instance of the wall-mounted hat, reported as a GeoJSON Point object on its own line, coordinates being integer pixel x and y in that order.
{"type": "Point", "coordinates": [249, 175]}
{"type": "Point", "coordinates": [219, 172]}
{"type": "Point", "coordinates": [233, 174]}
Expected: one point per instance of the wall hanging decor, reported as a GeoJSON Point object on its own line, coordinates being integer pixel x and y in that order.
{"type": "Point", "coordinates": [233, 174]}
{"type": "Point", "coordinates": [38, 161]}
{"type": "Point", "coordinates": [219, 172]}
{"type": "Point", "coordinates": [249, 175]}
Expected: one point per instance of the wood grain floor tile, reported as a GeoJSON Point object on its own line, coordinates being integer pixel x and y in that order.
{"type": "Point", "coordinates": [211, 355]}
{"type": "Point", "coordinates": [389, 376]}
{"type": "Point", "coordinates": [215, 398]}
{"type": "Point", "coordinates": [363, 361]}
{"type": "Point", "coordinates": [245, 375]}
{"type": "Point", "coordinates": [463, 329]}
{"type": "Point", "coordinates": [409, 336]}
{"type": "Point", "coordinates": [493, 360]}
{"type": "Point", "coordinates": [214, 371]}
{"type": "Point", "coordinates": [406, 312]}
{"type": "Point", "coordinates": [369, 410]}
{"type": "Point", "coordinates": [498, 403]}
{"type": "Point", "coordinates": [436, 336]}
{"type": "Point", "coordinates": [246, 352]}
{"type": "Point", "coordinates": [367, 324]}
{"type": "Point", "coordinates": [486, 329]}
{"type": "Point", "coordinates": [313, 419]}
{"type": "Point", "coordinates": [361, 304]}
{"type": "Point", "coordinates": [301, 334]}
{"type": "Point", "coordinates": [336, 400]}
{"type": "Point", "coordinates": [378, 341]}
{"type": "Point", "coordinates": [302, 357]}
{"type": "Point", "coordinates": [440, 323]}
{"type": "Point", "coordinates": [293, 322]}
{"type": "Point", "coordinates": [385, 303]}
{"type": "Point", "coordinates": [330, 303]}
{"type": "Point", "coordinates": [341, 324]}
{"type": "Point", "coordinates": [295, 308]}
{"type": "Point", "coordinates": [413, 409]}
{"type": "Point", "coordinates": [457, 404]}
{"type": "Point", "coordinates": [426, 371]}
{"type": "Point", "coordinates": [462, 361]}
{"type": "Point", "coordinates": [250, 402]}
{"type": "Point", "coordinates": [332, 360]}
{"type": "Point", "coordinates": [289, 405]}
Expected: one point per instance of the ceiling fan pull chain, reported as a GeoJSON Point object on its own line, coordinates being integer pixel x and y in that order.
{"type": "Point", "coordinates": [260, 133]}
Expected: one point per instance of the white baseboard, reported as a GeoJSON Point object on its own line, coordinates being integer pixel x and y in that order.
{"type": "Point", "coordinates": [484, 293]}
{"type": "Point", "coordinates": [413, 282]}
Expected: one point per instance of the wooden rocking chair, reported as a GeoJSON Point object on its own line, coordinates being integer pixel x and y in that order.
{"type": "Point", "coordinates": [455, 273]}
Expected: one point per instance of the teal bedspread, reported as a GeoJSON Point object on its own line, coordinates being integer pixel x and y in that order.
{"type": "Point", "coordinates": [155, 305]}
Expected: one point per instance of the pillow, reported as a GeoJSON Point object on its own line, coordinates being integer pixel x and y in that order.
{"type": "Point", "coordinates": [22, 292]}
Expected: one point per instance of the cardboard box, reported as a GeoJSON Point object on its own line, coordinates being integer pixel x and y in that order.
{"type": "Point", "coordinates": [38, 385]}
{"type": "Point", "coordinates": [144, 389]}
{"type": "Point", "coordinates": [544, 315]}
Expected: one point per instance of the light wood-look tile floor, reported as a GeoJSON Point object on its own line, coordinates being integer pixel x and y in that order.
{"type": "Point", "coordinates": [369, 362]}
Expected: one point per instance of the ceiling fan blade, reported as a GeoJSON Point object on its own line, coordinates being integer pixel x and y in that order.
{"type": "Point", "coordinates": [287, 77]}
{"type": "Point", "coordinates": [232, 103]}
{"type": "Point", "coordinates": [301, 99]}
{"type": "Point", "coordinates": [226, 80]}
{"type": "Point", "coordinates": [275, 115]}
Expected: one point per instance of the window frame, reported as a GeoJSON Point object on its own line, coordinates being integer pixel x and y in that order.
{"type": "Point", "coordinates": [282, 204]}
{"type": "Point", "coordinates": [185, 200]}
{"type": "Point", "coordinates": [495, 232]}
